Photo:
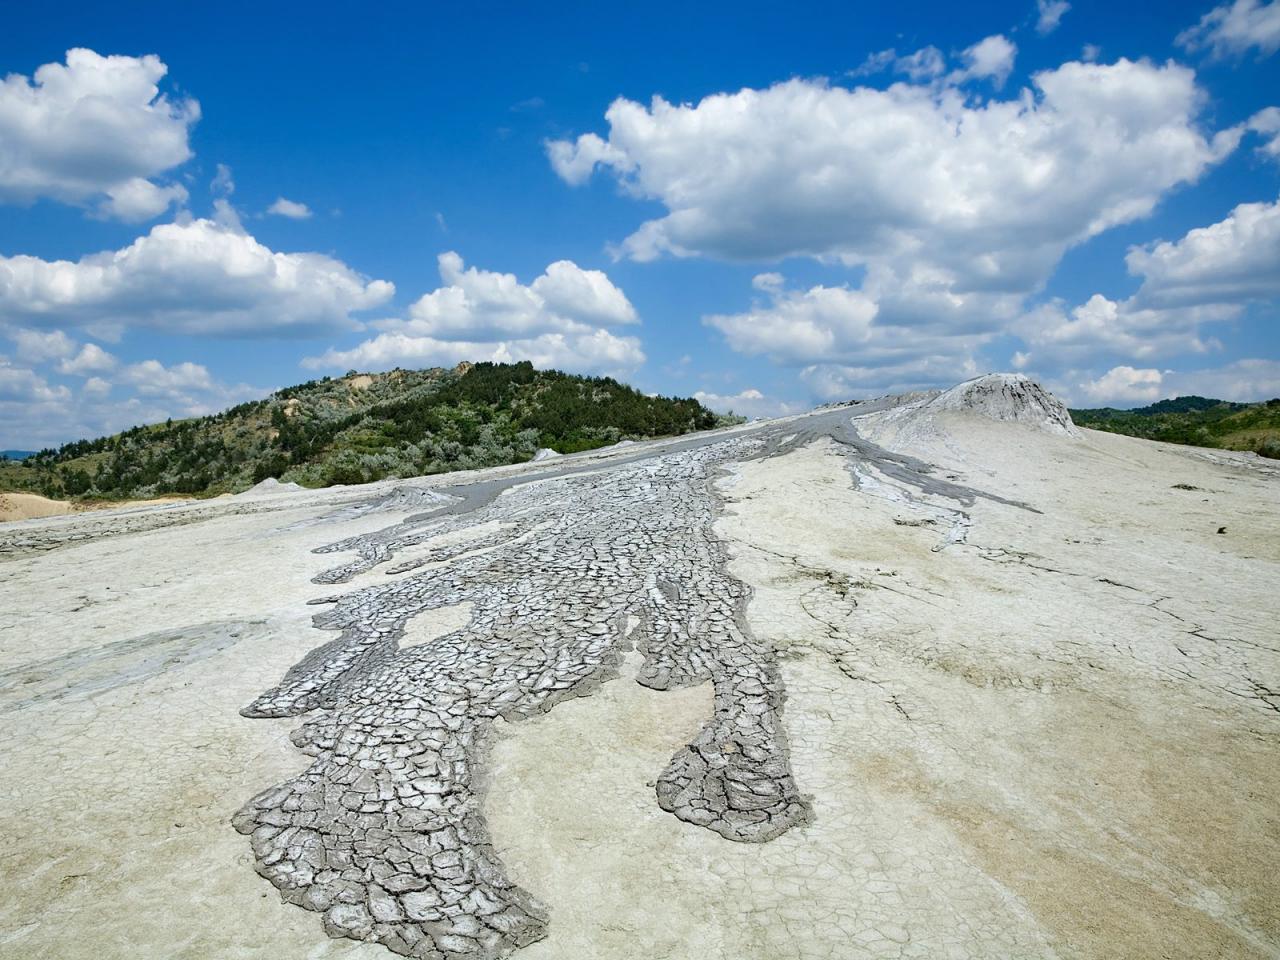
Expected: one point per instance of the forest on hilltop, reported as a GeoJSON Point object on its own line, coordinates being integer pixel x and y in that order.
{"type": "Point", "coordinates": [360, 428]}
{"type": "Point", "coordinates": [1199, 421]}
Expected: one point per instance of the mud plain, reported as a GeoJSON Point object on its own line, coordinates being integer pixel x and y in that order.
{"type": "Point", "coordinates": [1038, 718]}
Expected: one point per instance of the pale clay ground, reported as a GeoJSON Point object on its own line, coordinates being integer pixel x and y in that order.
{"type": "Point", "coordinates": [31, 506]}
{"type": "Point", "coordinates": [1059, 739]}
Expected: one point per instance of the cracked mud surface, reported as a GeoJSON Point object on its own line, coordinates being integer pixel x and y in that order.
{"type": "Point", "coordinates": [1029, 708]}
{"type": "Point", "coordinates": [383, 834]}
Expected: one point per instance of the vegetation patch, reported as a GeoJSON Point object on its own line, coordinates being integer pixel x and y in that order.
{"type": "Point", "coordinates": [360, 428]}
{"type": "Point", "coordinates": [1200, 421]}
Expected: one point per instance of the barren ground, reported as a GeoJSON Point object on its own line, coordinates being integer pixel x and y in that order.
{"type": "Point", "coordinates": [1017, 733]}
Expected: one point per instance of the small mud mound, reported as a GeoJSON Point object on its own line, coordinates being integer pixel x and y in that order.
{"type": "Point", "coordinates": [271, 487]}
{"type": "Point", "coordinates": [1010, 397]}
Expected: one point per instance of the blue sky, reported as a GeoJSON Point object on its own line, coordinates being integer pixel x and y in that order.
{"type": "Point", "coordinates": [200, 205]}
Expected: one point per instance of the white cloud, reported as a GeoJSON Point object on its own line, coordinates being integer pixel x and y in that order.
{"type": "Point", "coordinates": [26, 386]}
{"type": "Point", "coordinates": [137, 199]}
{"type": "Point", "coordinates": [222, 184]}
{"type": "Point", "coordinates": [37, 346]}
{"type": "Point", "coordinates": [1233, 261]}
{"type": "Point", "coordinates": [844, 341]}
{"type": "Point", "coordinates": [94, 131]}
{"type": "Point", "coordinates": [594, 351]}
{"type": "Point", "coordinates": [1115, 328]}
{"type": "Point", "coordinates": [851, 381]}
{"type": "Point", "coordinates": [91, 359]}
{"type": "Point", "coordinates": [1121, 385]}
{"type": "Point", "coordinates": [482, 304]}
{"type": "Point", "coordinates": [1267, 123]}
{"type": "Point", "coordinates": [925, 64]}
{"type": "Point", "coordinates": [957, 206]}
{"type": "Point", "coordinates": [586, 296]}
{"type": "Point", "coordinates": [748, 403]}
{"type": "Point", "coordinates": [916, 181]}
{"type": "Point", "coordinates": [35, 414]}
{"type": "Point", "coordinates": [95, 388]}
{"type": "Point", "coordinates": [990, 58]}
{"type": "Point", "coordinates": [1233, 29]}
{"type": "Point", "coordinates": [768, 282]}
{"type": "Point", "coordinates": [575, 162]}
{"type": "Point", "coordinates": [151, 377]}
{"type": "Point", "coordinates": [1243, 381]}
{"type": "Point", "coordinates": [875, 63]}
{"type": "Point", "coordinates": [558, 320]}
{"type": "Point", "coordinates": [193, 277]}
{"type": "Point", "coordinates": [290, 209]}
{"type": "Point", "coordinates": [1208, 276]}
{"type": "Point", "coordinates": [1049, 14]}
{"type": "Point", "coordinates": [798, 327]}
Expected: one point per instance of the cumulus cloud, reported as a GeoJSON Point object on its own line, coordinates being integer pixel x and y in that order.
{"type": "Point", "coordinates": [1243, 381]}
{"type": "Point", "coordinates": [561, 319]}
{"type": "Point", "coordinates": [748, 403]}
{"type": "Point", "coordinates": [95, 388]}
{"type": "Point", "coordinates": [1209, 275]}
{"type": "Point", "coordinates": [1233, 29]}
{"type": "Point", "coordinates": [1049, 14]}
{"type": "Point", "coordinates": [586, 296]}
{"type": "Point", "coordinates": [91, 359]}
{"type": "Point", "coordinates": [36, 414]}
{"type": "Point", "coordinates": [937, 193]}
{"type": "Point", "coordinates": [22, 385]}
{"type": "Point", "coordinates": [222, 184]}
{"type": "Point", "coordinates": [596, 351]}
{"type": "Point", "coordinates": [845, 342]}
{"type": "Point", "coordinates": [94, 131]}
{"type": "Point", "coordinates": [193, 277]}
{"type": "Point", "coordinates": [483, 304]}
{"type": "Point", "coordinates": [1267, 123]}
{"type": "Point", "coordinates": [957, 207]}
{"type": "Point", "coordinates": [1058, 334]}
{"type": "Point", "coordinates": [991, 58]}
{"type": "Point", "coordinates": [152, 378]}
{"type": "Point", "coordinates": [850, 381]}
{"type": "Point", "coordinates": [37, 346]}
{"type": "Point", "coordinates": [1124, 385]}
{"type": "Point", "coordinates": [290, 209]}
{"type": "Point", "coordinates": [575, 162]}
{"type": "Point", "coordinates": [798, 326]}
{"type": "Point", "coordinates": [1233, 261]}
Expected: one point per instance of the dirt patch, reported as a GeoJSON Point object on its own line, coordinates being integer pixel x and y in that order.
{"type": "Point", "coordinates": [32, 506]}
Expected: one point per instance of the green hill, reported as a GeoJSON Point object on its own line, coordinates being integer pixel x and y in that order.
{"type": "Point", "coordinates": [1200, 421]}
{"type": "Point", "coordinates": [359, 428]}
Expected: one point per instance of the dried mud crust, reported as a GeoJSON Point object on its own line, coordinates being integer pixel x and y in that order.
{"type": "Point", "coordinates": [383, 833]}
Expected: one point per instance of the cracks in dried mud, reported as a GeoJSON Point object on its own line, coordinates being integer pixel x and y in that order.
{"type": "Point", "coordinates": [384, 834]}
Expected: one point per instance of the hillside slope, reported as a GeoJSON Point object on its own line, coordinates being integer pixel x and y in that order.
{"type": "Point", "coordinates": [1201, 421]}
{"type": "Point", "coordinates": [360, 428]}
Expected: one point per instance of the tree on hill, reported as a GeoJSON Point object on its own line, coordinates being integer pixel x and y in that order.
{"type": "Point", "coordinates": [397, 424]}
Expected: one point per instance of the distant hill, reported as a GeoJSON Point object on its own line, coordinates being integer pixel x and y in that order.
{"type": "Point", "coordinates": [359, 428]}
{"type": "Point", "coordinates": [1201, 421]}
{"type": "Point", "coordinates": [15, 454]}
